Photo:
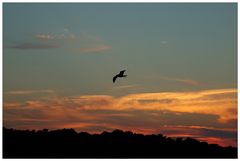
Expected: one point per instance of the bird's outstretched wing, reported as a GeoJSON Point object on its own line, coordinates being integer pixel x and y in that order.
{"type": "Point", "coordinates": [121, 72]}
{"type": "Point", "coordinates": [114, 78]}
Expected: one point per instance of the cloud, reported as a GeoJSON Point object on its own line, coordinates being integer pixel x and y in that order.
{"type": "Point", "coordinates": [184, 81]}
{"type": "Point", "coordinates": [34, 46]}
{"type": "Point", "coordinates": [194, 102]}
{"type": "Point", "coordinates": [83, 43]}
{"type": "Point", "coordinates": [28, 92]}
{"type": "Point", "coordinates": [224, 137]}
{"type": "Point", "coordinates": [208, 114]}
{"type": "Point", "coordinates": [125, 87]}
{"type": "Point", "coordinates": [10, 105]}
{"type": "Point", "coordinates": [93, 49]}
{"type": "Point", "coordinates": [220, 102]}
{"type": "Point", "coordinates": [164, 42]}
{"type": "Point", "coordinates": [45, 37]}
{"type": "Point", "coordinates": [64, 34]}
{"type": "Point", "coordinates": [219, 133]}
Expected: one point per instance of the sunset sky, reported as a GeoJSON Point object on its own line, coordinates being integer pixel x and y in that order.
{"type": "Point", "coordinates": [181, 62]}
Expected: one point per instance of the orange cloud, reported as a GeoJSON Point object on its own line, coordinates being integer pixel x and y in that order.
{"type": "Point", "coordinates": [27, 92]}
{"type": "Point", "coordinates": [219, 102]}
{"type": "Point", "coordinates": [200, 114]}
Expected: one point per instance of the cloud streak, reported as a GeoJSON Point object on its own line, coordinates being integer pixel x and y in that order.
{"type": "Point", "coordinates": [28, 92]}
{"type": "Point", "coordinates": [34, 46]}
{"type": "Point", "coordinates": [126, 87]}
{"type": "Point", "coordinates": [184, 81]}
{"type": "Point", "coordinates": [45, 37]}
{"type": "Point", "coordinates": [66, 34]}
{"type": "Point", "coordinates": [98, 48]}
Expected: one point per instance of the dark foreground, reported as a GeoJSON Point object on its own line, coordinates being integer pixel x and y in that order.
{"type": "Point", "coordinates": [67, 143]}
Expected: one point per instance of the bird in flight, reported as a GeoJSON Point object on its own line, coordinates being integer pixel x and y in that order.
{"type": "Point", "coordinates": [120, 74]}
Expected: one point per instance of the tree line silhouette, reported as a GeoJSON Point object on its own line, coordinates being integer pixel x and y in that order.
{"type": "Point", "coordinates": [67, 143]}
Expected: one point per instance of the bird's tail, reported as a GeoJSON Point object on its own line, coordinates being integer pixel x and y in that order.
{"type": "Point", "coordinates": [124, 75]}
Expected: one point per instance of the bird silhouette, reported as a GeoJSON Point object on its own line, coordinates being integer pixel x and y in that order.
{"type": "Point", "coordinates": [120, 74]}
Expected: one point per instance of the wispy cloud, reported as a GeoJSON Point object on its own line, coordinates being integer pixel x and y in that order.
{"type": "Point", "coordinates": [28, 92]}
{"type": "Point", "coordinates": [126, 87]}
{"type": "Point", "coordinates": [45, 37]}
{"type": "Point", "coordinates": [97, 48]}
{"type": "Point", "coordinates": [64, 35]}
{"type": "Point", "coordinates": [34, 46]}
{"type": "Point", "coordinates": [164, 42]}
{"type": "Point", "coordinates": [80, 43]}
{"type": "Point", "coordinates": [184, 81]}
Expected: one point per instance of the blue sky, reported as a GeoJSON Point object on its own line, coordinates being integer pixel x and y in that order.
{"type": "Point", "coordinates": [74, 49]}
{"type": "Point", "coordinates": [180, 41]}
